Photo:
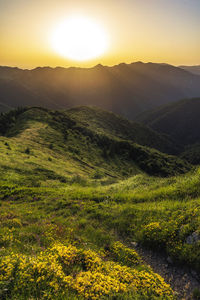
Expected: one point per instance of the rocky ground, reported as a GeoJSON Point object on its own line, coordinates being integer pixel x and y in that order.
{"type": "Point", "coordinates": [182, 280]}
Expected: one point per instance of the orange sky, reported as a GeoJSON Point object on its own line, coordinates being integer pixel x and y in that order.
{"type": "Point", "coordinates": [146, 30]}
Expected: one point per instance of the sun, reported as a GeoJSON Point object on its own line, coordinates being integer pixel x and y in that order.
{"type": "Point", "coordinates": [79, 38]}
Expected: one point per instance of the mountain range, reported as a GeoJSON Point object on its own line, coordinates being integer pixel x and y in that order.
{"type": "Point", "coordinates": [193, 69]}
{"type": "Point", "coordinates": [125, 89]}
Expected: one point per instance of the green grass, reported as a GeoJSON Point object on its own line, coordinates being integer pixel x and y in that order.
{"type": "Point", "coordinates": [119, 211]}
{"type": "Point", "coordinates": [53, 147]}
{"type": "Point", "coordinates": [112, 125]}
{"type": "Point", "coordinates": [32, 219]}
{"type": "Point", "coordinates": [57, 187]}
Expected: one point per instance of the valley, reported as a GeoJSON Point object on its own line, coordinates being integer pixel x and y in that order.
{"type": "Point", "coordinates": [79, 188]}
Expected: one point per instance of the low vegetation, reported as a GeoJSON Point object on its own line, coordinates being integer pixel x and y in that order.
{"type": "Point", "coordinates": [69, 216]}
{"type": "Point", "coordinates": [68, 272]}
{"type": "Point", "coordinates": [180, 121]}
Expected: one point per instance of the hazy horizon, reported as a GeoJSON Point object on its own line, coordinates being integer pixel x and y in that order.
{"type": "Point", "coordinates": [149, 31]}
{"type": "Point", "coordinates": [95, 65]}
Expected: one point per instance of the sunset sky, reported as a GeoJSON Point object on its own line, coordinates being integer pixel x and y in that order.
{"type": "Point", "coordinates": [146, 30]}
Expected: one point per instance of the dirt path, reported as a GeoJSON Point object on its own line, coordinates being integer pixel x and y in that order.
{"type": "Point", "coordinates": [182, 281]}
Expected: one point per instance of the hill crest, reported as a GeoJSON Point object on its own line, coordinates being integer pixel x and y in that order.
{"type": "Point", "coordinates": [60, 144]}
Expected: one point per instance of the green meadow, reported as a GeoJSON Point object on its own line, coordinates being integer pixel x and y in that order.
{"type": "Point", "coordinates": [76, 192]}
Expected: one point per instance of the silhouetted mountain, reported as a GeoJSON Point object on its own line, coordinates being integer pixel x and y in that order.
{"type": "Point", "coordinates": [193, 69]}
{"type": "Point", "coordinates": [180, 121]}
{"type": "Point", "coordinates": [126, 89]}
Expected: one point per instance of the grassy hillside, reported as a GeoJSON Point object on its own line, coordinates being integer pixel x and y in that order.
{"type": "Point", "coordinates": [192, 154]}
{"type": "Point", "coordinates": [114, 126]}
{"type": "Point", "coordinates": [75, 193]}
{"type": "Point", "coordinates": [55, 144]}
{"type": "Point", "coordinates": [84, 233]}
{"type": "Point", "coordinates": [180, 121]}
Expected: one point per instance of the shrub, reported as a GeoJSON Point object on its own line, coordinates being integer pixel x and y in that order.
{"type": "Point", "coordinates": [196, 294]}
{"type": "Point", "coordinates": [124, 255]}
{"type": "Point", "coordinates": [59, 270]}
{"type": "Point", "coordinates": [79, 180]}
{"type": "Point", "coordinates": [27, 151]}
{"type": "Point", "coordinates": [152, 234]}
{"type": "Point", "coordinates": [97, 174]}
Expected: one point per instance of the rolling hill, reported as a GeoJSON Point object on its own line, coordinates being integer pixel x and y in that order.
{"type": "Point", "coordinates": [126, 89]}
{"type": "Point", "coordinates": [83, 141]}
{"type": "Point", "coordinates": [180, 121]}
{"type": "Point", "coordinates": [82, 192]}
{"type": "Point", "coordinates": [114, 126]}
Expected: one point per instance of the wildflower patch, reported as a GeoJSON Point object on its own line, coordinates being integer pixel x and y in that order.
{"type": "Point", "coordinates": [63, 269]}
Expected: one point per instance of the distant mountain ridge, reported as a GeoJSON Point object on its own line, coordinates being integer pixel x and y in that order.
{"type": "Point", "coordinates": [193, 69]}
{"type": "Point", "coordinates": [126, 89]}
{"type": "Point", "coordinates": [180, 121]}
